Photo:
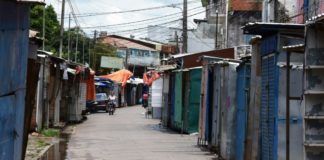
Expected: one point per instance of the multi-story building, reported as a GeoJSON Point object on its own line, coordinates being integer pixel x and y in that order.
{"type": "Point", "coordinates": [199, 39]}
{"type": "Point", "coordinates": [227, 16]}
{"type": "Point", "coordinates": [136, 54]}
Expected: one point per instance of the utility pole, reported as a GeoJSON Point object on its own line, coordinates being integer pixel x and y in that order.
{"type": "Point", "coordinates": [62, 28]}
{"type": "Point", "coordinates": [82, 50]}
{"type": "Point", "coordinates": [185, 27]}
{"type": "Point", "coordinates": [216, 32]}
{"type": "Point", "coordinates": [89, 58]}
{"type": "Point", "coordinates": [177, 41]}
{"type": "Point", "coordinates": [44, 17]}
{"type": "Point", "coordinates": [76, 45]}
{"type": "Point", "coordinates": [69, 37]}
{"type": "Point", "coordinates": [226, 23]}
{"type": "Point", "coordinates": [94, 54]}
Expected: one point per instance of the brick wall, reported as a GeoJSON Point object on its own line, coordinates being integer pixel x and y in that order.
{"type": "Point", "coordinates": [245, 5]}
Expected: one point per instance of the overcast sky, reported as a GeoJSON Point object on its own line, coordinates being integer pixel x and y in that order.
{"type": "Point", "coordinates": [99, 6]}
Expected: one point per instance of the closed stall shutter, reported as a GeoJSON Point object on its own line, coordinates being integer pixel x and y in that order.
{"type": "Point", "coordinates": [243, 84]}
{"type": "Point", "coordinates": [268, 107]}
{"type": "Point", "coordinates": [194, 101]}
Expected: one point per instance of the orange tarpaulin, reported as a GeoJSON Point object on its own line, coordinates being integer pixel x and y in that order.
{"type": "Point", "coordinates": [120, 76]}
{"type": "Point", "coordinates": [91, 91]}
{"type": "Point", "coordinates": [148, 78]}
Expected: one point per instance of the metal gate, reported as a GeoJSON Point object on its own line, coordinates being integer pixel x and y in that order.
{"type": "Point", "coordinates": [243, 87]}
{"type": "Point", "coordinates": [194, 100]}
{"type": "Point", "coordinates": [268, 107]}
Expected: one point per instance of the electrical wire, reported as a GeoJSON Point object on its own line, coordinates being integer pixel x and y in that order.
{"type": "Point", "coordinates": [134, 22]}
{"type": "Point", "coordinates": [132, 11]}
{"type": "Point", "coordinates": [136, 29]}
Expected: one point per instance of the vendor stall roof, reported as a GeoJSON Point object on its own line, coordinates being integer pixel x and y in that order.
{"type": "Point", "coordinates": [263, 28]}
{"type": "Point", "coordinates": [315, 19]}
{"type": "Point", "coordinates": [298, 48]}
{"type": "Point", "coordinates": [190, 59]}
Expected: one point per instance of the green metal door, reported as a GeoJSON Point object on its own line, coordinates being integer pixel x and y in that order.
{"type": "Point", "coordinates": [194, 100]}
{"type": "Point", "coordinates": [178, 100]}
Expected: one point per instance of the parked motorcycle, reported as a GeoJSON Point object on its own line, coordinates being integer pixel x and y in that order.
{"type": "Point", "coordinates": [111, 107]}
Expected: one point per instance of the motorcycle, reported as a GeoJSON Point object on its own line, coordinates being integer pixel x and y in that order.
{"type": "Point", "coordinates": [111, 107]}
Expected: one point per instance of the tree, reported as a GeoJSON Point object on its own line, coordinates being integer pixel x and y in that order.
{"type": "Point", "coordinates": [52, 28]}
{"type": "Point", "coordinates": [99, 50]}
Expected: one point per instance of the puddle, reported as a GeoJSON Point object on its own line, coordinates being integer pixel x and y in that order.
{"type": "Point", "coordinates": [58, 150]}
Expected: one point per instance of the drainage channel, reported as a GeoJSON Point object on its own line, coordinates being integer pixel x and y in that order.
{"type": "Point", "coordinates": [58, 150]}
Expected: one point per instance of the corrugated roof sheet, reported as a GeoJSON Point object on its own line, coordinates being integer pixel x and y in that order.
{"type": "Point", "coordinates": [32, 1]}
{"type": "Point", "coordinates": [319, 17]}
{"type": "Point", "coordinates": [191, 59]}
{"type": "Point", "coordinates": [124, 43]}
{"type": "Point", "coordinates": [298, 48]}
{"type": "Point", "coordinates": [264, 28]}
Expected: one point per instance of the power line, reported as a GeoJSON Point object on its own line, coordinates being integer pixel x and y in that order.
{"type": "Point", "coordinates": [173, 19]}
{"type": "Point", "coordinates": [134, 10]}
{"type": "Point", "coordinates": [130, 30]}
{"type": "Point", "coordinates": [144, 20]}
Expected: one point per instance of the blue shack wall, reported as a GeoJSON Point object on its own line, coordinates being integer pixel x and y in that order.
{"type": "Point", "coordinates": [269, 95]}
{"type": "Point", "coordinates": [273, 100]}
{"type": "Point", "coordinates": [14, 30]}
{"type": "Point", "coordinates": [242, 94]}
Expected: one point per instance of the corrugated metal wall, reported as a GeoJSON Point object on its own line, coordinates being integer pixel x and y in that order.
{"type": "Point", "coordinates": [178, 104]}
{"type": "Point", "coordinates": [165, 99]}
{"type": "Point", "coordinates": [227, 120]}
{"type": "Point", "coordinates": [14, 26]}
{"type": "Point", "coordinates": [252, 143]}
{"type": "Point", "coordinates": [269, 108]}
{"type": "Point", "coordinates": [243, 97]}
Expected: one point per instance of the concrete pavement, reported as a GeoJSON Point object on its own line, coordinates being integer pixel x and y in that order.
{"type": "Point", "coordinates": [128, 135]}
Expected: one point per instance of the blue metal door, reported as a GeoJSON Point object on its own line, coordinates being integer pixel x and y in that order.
{"type": "Point", "coordinates": [243, 87]}
{"type": "Point", "coordinates": [208, 124]}
{"type": "Point", "coordinates": [269, 107]}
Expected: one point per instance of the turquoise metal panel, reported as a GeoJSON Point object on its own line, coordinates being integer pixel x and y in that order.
{"type": "Point", "coordinates": [178, 104]}
{"type": "Point", "coordinates": [194, 100]}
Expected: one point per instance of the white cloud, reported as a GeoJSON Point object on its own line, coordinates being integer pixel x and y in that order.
{"type": "Point", "coordinates": [95, 6]}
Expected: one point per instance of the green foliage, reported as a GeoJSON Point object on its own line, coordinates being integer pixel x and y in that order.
{"type": "Point", "coordinates": [41, 143]}
{"type": "Point", "coordinates": [99, 50]}
{"type": "Point", "coordinates": [50, 132]}
{"type": "Point", "coordinates": [52, 28]}
{"type": "Point", "coordinates": [52, 39]}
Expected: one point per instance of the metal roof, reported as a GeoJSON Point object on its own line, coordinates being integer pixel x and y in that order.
{"type": "Point", "coordinates": [31, 1]}
{"type": "Point", "coordinates": [190, 59]}
{"type": "Point", "coordinates": [298, 48]}
{"type": "Point", "coordinates": [122, 42]}
{"type": "Point", "coordinates": [264, 28]}
{"type": "Point", "coordinates": [319, 17]}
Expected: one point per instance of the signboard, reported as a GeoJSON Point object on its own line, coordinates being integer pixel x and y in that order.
{"type": "Point", "coordinates": [112, 62]}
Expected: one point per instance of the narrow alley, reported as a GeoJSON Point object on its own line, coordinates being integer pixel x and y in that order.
{"type": "Point", "coordinates": [129, 135]}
